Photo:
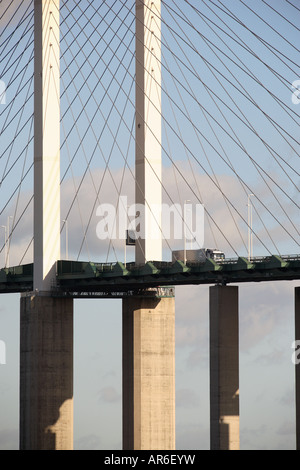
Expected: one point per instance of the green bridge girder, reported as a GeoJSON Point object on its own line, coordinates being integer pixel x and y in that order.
{"type": "Point", "coordinates": [77, 276]}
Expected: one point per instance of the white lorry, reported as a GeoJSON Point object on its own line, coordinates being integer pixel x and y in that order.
{"type": "Point", "coordinates": [198, 256]}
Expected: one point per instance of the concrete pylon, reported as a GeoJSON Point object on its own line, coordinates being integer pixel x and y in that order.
{"type": "Point", "coordinates": [46, 340]}
{"type": "Point", "coordinates": [224, 368]}
{"type": "Point", "coordinates": [46, 373]}
{"type": "Point", "coordinates": [46, 142]}
{"type": "Point", "coordinates": [149, 374]}
{"type": "Point", "coordinates": [297, 366]}
{"type": "Point", "coordinates": [148, 165]}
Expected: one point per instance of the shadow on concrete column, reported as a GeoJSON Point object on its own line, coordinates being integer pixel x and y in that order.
{"type": "Point", "coordinates": [46, 373]}
{"type": "Point", "coordinates": [297, 366]}
{"type": "Point", "coordinates": [224, 368]}
{"type": "Point", "coordinates": [148, 374]}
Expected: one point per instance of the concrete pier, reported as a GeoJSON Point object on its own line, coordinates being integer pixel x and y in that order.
{"type": "Point", "coordinates": [149, 374]}
{"type": "Point", "coordinates": [297, 366]}
{"type": "Point", "coordinates": [46, 373]}
{"type": "Point", "coordinates": [224, 368]}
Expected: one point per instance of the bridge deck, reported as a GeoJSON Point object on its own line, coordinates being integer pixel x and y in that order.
{"type": "Point", "coordinates": [80, 279]}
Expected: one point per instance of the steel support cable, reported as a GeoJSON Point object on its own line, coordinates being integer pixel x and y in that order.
{"type": "Point", "coordinates": [18, 196]}
{"type": "Point", "coordinates": [181, 176]}
{"type": "Point", "coordinates": [249, 189]}
{"type": "Point", "coordinates": [14, 76]}
{"type": "Point", "coordinates": [15, 224]}
{"type": "Point", "coordinates": [120, 86]}
{"type": "Point", "coordinates": [161, 182]}
{"type": "Point", "coordinates": [282, 16]}
{"type": "Point", "coordinates": [19, 132]}
{"type": "Point", "coordinates": [220, 185]}
{"type": "Point", "coordinates": [190, 165]}
{"type": "Point", "coordinates": [203, 150]}
{"type": "Point", "coordinates": [83, 45]}
{"type": "Point", "coordinates": [231, 83]}
{"type": "Point", "coordinates": [5, 69]}
{"type": "Point", "coordinates": [17, 187]}
{"type": "Point", "coordinates": [114, 135]}
{"type": "Point", "coordinates": [23, 71]}
{"type": "Point", "coordinates": [107, 120]}
{"type": "Point", "coordinates": [73, 180]}
{"type": "Point", "coordinates": [278, 102]}
{"type": "Point", "coordinates": [271, 27]}
{"type": "Point", "coordinates": [12, 34]}
{"type": "Point", "coordinates": [188, 157]}
{"type": "Point", "coordinates": [90, 124]}
{"type": "Point", "coordinates": [28, 203]}
{"type": "Point", "coordinates": [107, 161]}
{"type": "Point", "coordinates": [16, 94]}
{"type": "Point", "coordinates": [293, 5]}
{"type": "Point", "coordinates": [282, 79]}
{"type": "Point", "coordinates": [286, 214]}
{"type": "Point", "coordinates": [86, 80]}
{"type": "Point", "coordinates": [242, 43]}
{"type": "Point", "coordinates": [214, 119]}
{"type": "Point", "coordinates": [17, 76]}
{"type": "Point", "coordinates": [6, 125]}
{"type": "Point", "coordinates": [7, 170]}
{"type": "Point", "coordinates": [218, 97]}
{"type": "Point", "coordinates": [30, 243]}
{"type": "Point", "coordinates": [23, 213]}
{"type": "Point", "coordinates": [237, 20]}
{"type": "Point", "coordinates": [271, 49]}
{"type": "Point", "coordinates": [264, 143]}
{"type": "Point", "coordinates": [122, 181]}
{"type": "Point", "coordinates": [77, 199]}
{"type": "Point", "coordinates": [19, 219]}
{"type": "Point", "coordinates": [18, 125]}
{"type": "Point", "coordinates": [8, 23]}
{"type": "Point", "coordinates": [70, 14]}
{"type": "Point", "coordinates": [98, 104]}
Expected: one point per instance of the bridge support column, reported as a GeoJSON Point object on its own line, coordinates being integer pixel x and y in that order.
{"type": "Point", "coordinates": [297, 366]}
{"type": "Point", "coordinates": [46, 373]}
{"type": "Point", "coordinates": [149, 374]}
{"type": "Point", "coordinates": [224, 368]}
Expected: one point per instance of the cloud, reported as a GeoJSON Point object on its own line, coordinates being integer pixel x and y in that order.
{"type": "Point", "coordinates": [228, 232]}
{"type": "Point", "coordinates": [109, 395]}
{"type": "Point", "coordinates": [88, 442]}
{"type": "Point", "coordinates": [186, 398]}
{"type": "Point", "coordinates": [12, 12]}
{"type": "Point", "coordinates": [192, 436]}
{"type": "Point", "coordinates": [263, 308]}
{"type": "Point", "coordinates": [286, 429]}
{"type": "Point", "coordinates": [9, 439]}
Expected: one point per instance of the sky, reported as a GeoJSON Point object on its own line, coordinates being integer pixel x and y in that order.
{"type": "Point", "coordinates": [209, 155]}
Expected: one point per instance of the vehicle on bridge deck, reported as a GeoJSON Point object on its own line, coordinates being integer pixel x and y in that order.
{"type": "Point", "coordinates": [198, 256]}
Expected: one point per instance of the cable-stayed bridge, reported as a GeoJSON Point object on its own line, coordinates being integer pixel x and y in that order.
{"type": "Point", "coordinates": [108, 114]}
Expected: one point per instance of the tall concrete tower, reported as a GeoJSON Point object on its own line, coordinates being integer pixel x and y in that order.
{"type": "Point", "coordinates": [148, 130]}
{"type": "Point", "coordinates": [148, 323]}
{"type": "Point", "coordinates": [46, 339]}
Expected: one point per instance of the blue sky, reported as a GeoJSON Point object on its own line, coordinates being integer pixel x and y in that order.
{"type": "Point", "coordinates": [208, 98]}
